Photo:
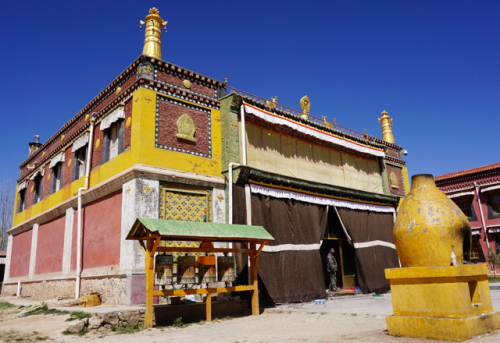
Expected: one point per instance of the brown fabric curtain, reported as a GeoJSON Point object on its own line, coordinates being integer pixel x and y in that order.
{"type": "Point", "coordinates": [285, 276]}
{"type": "Point", "coordinates": [366, 226]}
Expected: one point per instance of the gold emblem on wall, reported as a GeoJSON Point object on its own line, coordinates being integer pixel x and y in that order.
{"type": "Point", "coordinates": [129, 120]}
{"type": "Point", "coordinates": [97, 143]}
{"type": "Point", "coordinates": [394, 180]}
{"type": "Point", "coordinates": [186, 84]}
{"type": "Point", "coordinates": [220, 197]}
{"type": "Point", "coordinates": [69, 163]}
{"type": "Point", "coordinates": [186, 128]}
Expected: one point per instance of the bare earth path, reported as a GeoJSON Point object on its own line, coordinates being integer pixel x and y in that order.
{"type": "Point", "coordinates": [354, 319]}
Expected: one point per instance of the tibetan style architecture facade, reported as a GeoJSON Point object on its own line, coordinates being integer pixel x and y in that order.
{"type": "Point", "coordinates": [477, 192]}
{"type": "Point", "coordinates": [162, 141]}
{"type": "Point", "coordinates": [313, 185]}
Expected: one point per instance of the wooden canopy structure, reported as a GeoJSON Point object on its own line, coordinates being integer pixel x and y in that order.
{"type": "Point", "coordinates": [149, 232]}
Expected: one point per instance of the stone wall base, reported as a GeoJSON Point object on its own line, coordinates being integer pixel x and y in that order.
{"type": "Point", "coordinates": [112, 290]}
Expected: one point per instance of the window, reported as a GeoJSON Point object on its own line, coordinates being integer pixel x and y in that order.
{"type": "Point", "coordinates": [80, 163]}
{"type": "Point", "coordinates": [22, 201]}
{"type": "Point", "coordinates": [474, 250]}
{"type": "Point", "coordinates": [112, 142]}
{"type": "Point", "coordinates": [465, 204]}
{"type": "Point", "coordinates": [57, 181]}
{"type": "Point", "coordinates": [495, 202]}
{"type": "Point", "coordinates": [38, 189]}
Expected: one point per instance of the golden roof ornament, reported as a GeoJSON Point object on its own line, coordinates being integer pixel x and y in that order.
{"type": "Point", "coordinates": [152, 39]}
{"type": "Point", "coordinates": [305, 104]}
{"type": "Point", "coordinates": [386, 128]}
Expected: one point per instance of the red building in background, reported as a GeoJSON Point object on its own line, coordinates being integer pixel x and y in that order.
{"type": "Point", "coordinates": [477, 192]}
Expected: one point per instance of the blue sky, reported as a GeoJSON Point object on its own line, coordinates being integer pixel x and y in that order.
{"type": "Point", "coordinates": [432, 65]}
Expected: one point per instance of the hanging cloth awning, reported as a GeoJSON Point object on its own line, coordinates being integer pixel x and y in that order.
{"type": "Point", "coordinates": [460, 194]}
{"type": "Point", "coordinates": [490, 188]}
{"type": "Point", "coordinates": [55, 160]}
{"type": "Point", "coordinates": [494, 229]}
{"type": "Point", "coordinates": [289, 193]}
{"type": "Point", "coordinates": [22, 186]}
{"type": "Point", "coordinates": [39, 171]}
{"type": "Point", "coordinates": [311, 131]}
{"type": "Point", "coordinates": [80, 142]}
{"type": "Point", "coordinates": [118, 113]}
{"type": "Point", "coordinates": [476, 232]}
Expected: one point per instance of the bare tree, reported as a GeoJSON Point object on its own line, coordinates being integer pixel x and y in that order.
{"type": "Point", "coordinates": [6, 211]}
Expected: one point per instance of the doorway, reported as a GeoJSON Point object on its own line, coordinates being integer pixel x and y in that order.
{"type": "Point", "coordinates": [335, 237]}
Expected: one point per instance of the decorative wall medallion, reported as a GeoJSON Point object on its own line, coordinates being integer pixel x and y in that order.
{"type": "Point", "coordinates": [394, 180]}
{"type": "Point", "coordinates": [128, 190]}
{"type": "Point", "coordinates": [48, 177]}
{"type": "Point", "coordinates": [97, 143]}
{"type": "Point", "coordinates": [32, 189]}
{"type": "Point", "coordinates": [166, 135]}
{"type": "Point", "coordinates": [186, 128]}
{"type": "Point", "coordinates": [147, 189]}
{"type": "Point", "coordinates": [87, 117]}
{"type": "Point", "coordinates": [149, 69]}
{"type": "Point", "coordinates": [43, 154]}
{"type": "Point", "coordinates": [118, 91]}
{"type": "Point", "coordinates": [69, 162]}
{"type": "Point", "coordinates": [129, 120]}
{"type": "Point", "coordinates": [186, 84]}
{"type": "Point", "coordinates": [220, 197]}
{"type": "Point", "coordinates": [234, 125]}
{"type": "Point", "coordinates": [148, 99]}
{"type": "Point", "coordinates": [62, 138]}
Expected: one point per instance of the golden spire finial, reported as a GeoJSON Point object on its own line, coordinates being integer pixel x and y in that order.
{"type": "Point", "coordinates": [386, 127]}
{"type": "Point", "coordinates": [152, 40]}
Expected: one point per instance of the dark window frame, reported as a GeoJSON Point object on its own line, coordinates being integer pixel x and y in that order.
{"type": "Point", "coordinates": [76, 167]}
{"type": "Point", "coordinates": [37, 189]}
{"type": "Point", "coordinates": [21, 204]}
{"type": "Point", "coordinates": [489, 202]}
{"type": "Point", "coordinates": [470, 198]}
{"type": "Point", "coordinates": [57, 174]}
{"type": "Point", "coordinates": [106, 141]}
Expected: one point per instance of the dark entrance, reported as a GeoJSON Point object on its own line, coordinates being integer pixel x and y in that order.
{"type": "Point", "coordinates": [344, 252]}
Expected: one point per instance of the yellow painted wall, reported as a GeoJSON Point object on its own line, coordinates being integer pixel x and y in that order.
{"type": "Point", "coordinates": [143, 136]}
{"type": "Point", "coordinates": [141, 151]}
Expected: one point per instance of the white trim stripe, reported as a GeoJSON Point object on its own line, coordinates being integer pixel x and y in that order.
{"type": "Point", "coordinates": [286, 194]}
{"type": "Point", "coordinates": [275, 119]}
{"type": "Point", "coordinates": [373, 244]}
{"type": "Point", "coordinates": [460, 194]}
{"type": "Point", "coordinates": [290, 247]}
{"type": "Point", "coordinates": [490, 188]}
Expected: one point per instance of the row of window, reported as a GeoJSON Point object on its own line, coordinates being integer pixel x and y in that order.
{"type": "Point", "coordinates": [493, 202]}
{"type": "Point", "coordinates": [112, 146]}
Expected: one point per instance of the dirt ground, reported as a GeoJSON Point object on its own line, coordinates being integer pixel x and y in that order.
{"type": "Point", "coordinates": [275, 326]}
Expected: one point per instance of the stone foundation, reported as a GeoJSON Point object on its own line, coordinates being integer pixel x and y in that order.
{"type": "Point", "coordinates": [112, 290]}
{"type": "Point", "coordinates": [9, 290]}
{"type": "Point", "coordinates": [43, 290]}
